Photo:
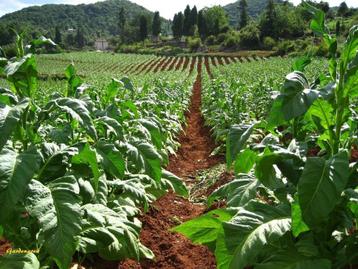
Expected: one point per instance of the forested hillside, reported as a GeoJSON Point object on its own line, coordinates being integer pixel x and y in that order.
{"type": "Point", "coordinates": [254, 9]}
{"type": "Point", "coordinates": [99, 19]}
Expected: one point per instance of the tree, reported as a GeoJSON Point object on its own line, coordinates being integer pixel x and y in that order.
{"type": "Point", "coordinates": [121, 20]}
{"type": "Point", "coordinates": [143, 28]}
{"type": "Point", "coordinates": [338, 28]}
{"type": "Point", "coordinates": [216, 20]}
{"type": "Point", "coordinates": [267, 23]}
{"type": "Point", "coordinates": [156, 25]}
{"type": "Point", "coordinates": [177, 26]}
{"type": "Point", "coordinates": [324, 6]}
{"type": "Point", "coordinates": [343, 9]}
{"type": "Point", "coordinates": [202, 24]}
{"type": "Point", "coordinates": [58, 36]}
{"type": "Point", "coordinates": [80, 39]}
{"type": "Point", "coordinates": [70, 40]}
{"type": "Point", "coordinates": [243, 14]}
{"type": "Point", "coordinates": [187, 21]}
{"type": "Point", "coordinates": [193, 18]}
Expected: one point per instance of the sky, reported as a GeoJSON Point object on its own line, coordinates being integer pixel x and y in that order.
{"type": "Point", "coordinates": [167, 8]}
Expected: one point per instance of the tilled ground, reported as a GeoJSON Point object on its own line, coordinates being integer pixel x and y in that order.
{"type": "Point", "coordinates": [173, 250]}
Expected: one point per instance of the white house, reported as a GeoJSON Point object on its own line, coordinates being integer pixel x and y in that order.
{"type": "Point", "coordinates": [101, 44]}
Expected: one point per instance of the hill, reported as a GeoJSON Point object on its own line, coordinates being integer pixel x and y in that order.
{"type": "Point", "coordinates": [254, 9]}
{"type": "Point", "coordinates": [95, 19]}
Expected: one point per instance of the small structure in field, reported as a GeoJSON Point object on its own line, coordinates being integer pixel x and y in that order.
{"type": "Point", "coordinates": [101, 44]}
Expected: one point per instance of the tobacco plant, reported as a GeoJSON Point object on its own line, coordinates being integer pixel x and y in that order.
{"type": "Point", "coordinates": [294, 202]}
{"type": "Point", "coordinates": [77, 168]}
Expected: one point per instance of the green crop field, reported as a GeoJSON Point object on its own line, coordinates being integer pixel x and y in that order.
{"type": "Point", "coordinates": [102, 157]}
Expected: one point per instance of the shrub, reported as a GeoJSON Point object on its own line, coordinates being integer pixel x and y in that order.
{"type": "Point", "coordinates": [250, 36]}
{"type": "Point", "coordinates": [9, 50]}
{"type": "Point", "coordinates": [194, 43]}
{"type": "Point", "coordinates": [232, 40]}
{"type": "Point", "coordinates": [285, 47]}
{"type": "Point", "coordinates": [211, 40]}
{"type": "Point", "coordinates": [269, 43]}
{"type": "Point", "coordinates": [221, 38]}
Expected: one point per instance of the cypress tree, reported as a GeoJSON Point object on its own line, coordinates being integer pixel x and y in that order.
{"type": "Point", "coordinates": [156, 25]}
{"type": "Point", "coordinates": [80, 39]}
{"type": "Point", "coordinates": [143, 28]}
{"type": "Point", "coordinates": [121, 21]}
{"type": "Point", "coordinates": [243, 14]}
{"type": "Point", "coordinates": [58, 36]}
{"type": "Point", "coordinates": [187, 21]}
{"type": "Point", "coordinates": [202, 24]}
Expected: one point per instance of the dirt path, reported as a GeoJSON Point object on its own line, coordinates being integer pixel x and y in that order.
{"type": "Point", "coordinates": [174, 251]}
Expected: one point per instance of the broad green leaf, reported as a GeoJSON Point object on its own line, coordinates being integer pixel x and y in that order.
{"type": "Point", "coordinates": [297, 96]}
{"type": "Point", "coordinates": [57, 210]}
{"type": "Point", "coordinates": [133, 189]}
{"type": "Point", "coordinates": [237, 192]}
{"type": "Point", "coordinates": [349, 61]}
{"type": "Point", "coordinates": [154, 131]}
{"type": "Point", "coordinates": [78, 111]}
{"type": "Point", "coordinates": [353, 201]}
{"type": "Point", "coordinates": [111, 159]}
{"type": "Point", "coordinates": [16, 171]}
{"type": "Point", "coordinates": [265, 170]}
{"type": "Point", "coordinates": [36, 43]}
{"type": "Point", "coordinates": [254, 229]}
{"type": "Point", "coordinates": [301, 63]}
{"type": "Point", "coordinates": [101, 196]}
{"type": "Point", "coordinates": [145, 157]}
{"type": "Point", "coordinates": [88, 156]}
{"type": "Point", "coordinates": [323, 110]}
{"type": "Point", "coordinates": [236, 141]}
{"type": "Point", "coordinates": [112, 90]}
{"type": "Point", "coordinates": [317, 23]}
{"type": "Point", "coordinates": [173, 182]}
{"type": "Point", "coordinates": [7, 97]}
{"type": "Point", "coordinates": [222, 254]}
{"type": "Point", "coordinates": [298, 225]}
{"type": "Point", "coordinates": [22, 75]}
{"type": "Point", "coordinates": [205, 229]}
{"type": "Point", "coordinates": [127, 83]}
{"type": "Point", "coordinates": [73, 80]}
{"type": "Point", "coordinates": [116, 240]}
{"type": "Point", "coordinates": [56, 161]}
{"type": "Point", "coordinates": [320, 187]}
{"type": "Point", "coordinates": [112, 126]}
{"type": "Point", "coordinates": [254, 226]}
{"type": "Point", "coordinates": [292, 260]}
{"type": "Point", "coordinates": [9, 119]}
{"type": "Point", "coordinates": [19, 261]}
{"type": "Point", "coordinates": [244, 162]}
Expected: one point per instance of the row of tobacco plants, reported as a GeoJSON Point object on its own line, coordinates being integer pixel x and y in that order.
{"type": "Point", "coordinates": [77, 167]}
{"type": "Point", "coordinates": [294, 201]}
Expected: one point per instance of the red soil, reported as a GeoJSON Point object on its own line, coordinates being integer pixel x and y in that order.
{"type": "Point", "coordinates": [144, 66]}
{"type": "Point", "coordinates": [213, 61]}
{"type": "Point", "coordinates": [233, 59]}
{"type": "Point", "coordinates": [159, 65]}
{"type": "Point", "coordinates": [220, 60]}
{"type": "Point", "coordinates": [180, 62]}
{"type": "Point", "coordinates": [207, 66]}
{"type": "Point", "coordinates": [186, 63]}
{"type": "Point", "coordinates": [173, 64]}
{"type": "Point", "coordinates": [226, 60]}
{"type": "Point", "coordinates": [192, 64]}
{"type": "Point", "coordinates": [165, 65]}
{"type": "Point", "coordinates": [173, 250]}
{"type": "Point", "coordinates": [155, 63]}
